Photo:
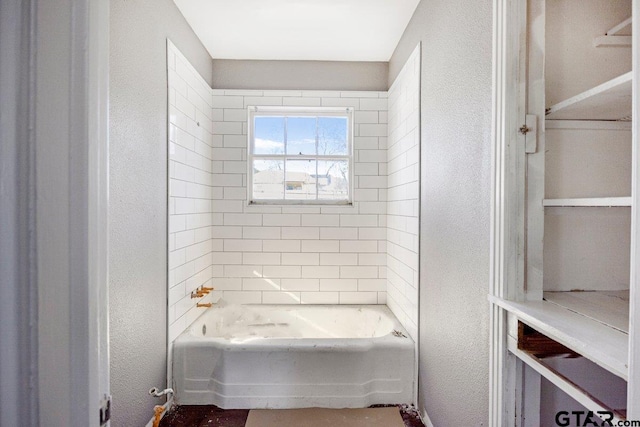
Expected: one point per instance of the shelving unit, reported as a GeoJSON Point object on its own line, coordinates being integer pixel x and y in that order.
{"type": "Point", "coordinates": [581, 319]}
{"type": "Point", "coordinates": [564, 297]}
{"type": "Point", "coordinates": [576, 186]}
{"type": "Point", "coordinates": [595, 324]}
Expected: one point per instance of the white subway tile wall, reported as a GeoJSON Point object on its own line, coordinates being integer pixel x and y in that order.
{"type": "Point", "coordinates": [191, 242]}
{"type": "Point", "coordinates": [300, 254]}
{"type": "Point", "coordinates": [403, 155]}
{"type": "Point", "coordinates": [362, 254]}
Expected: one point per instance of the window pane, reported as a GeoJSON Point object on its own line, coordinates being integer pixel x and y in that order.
{"type": "Point", "coordinates": [332, 135]}
{"type": "Point", "coordinates": [300, 180]}
{"type": "Point", "coordinates": [268, 179]}
{"type": "Point", "coordinates": [333, 180]}
{"type": "Point", "coordinates": [269, 135]}
{"type": "Point", "coordinates": [301, 135]}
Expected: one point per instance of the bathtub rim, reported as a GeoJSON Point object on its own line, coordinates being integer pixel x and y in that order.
{"type": "Point", "coordinates": [187, 338]}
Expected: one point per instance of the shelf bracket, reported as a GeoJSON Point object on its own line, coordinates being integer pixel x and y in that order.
{"type": "Point", "coordinates": [612, 41]}
{"type": "Point", "coordinates": [611, 37]}
{"type": "Point", "coordinates": [621, 26]}
{"type": "Point", "coordinates": [530, 132]}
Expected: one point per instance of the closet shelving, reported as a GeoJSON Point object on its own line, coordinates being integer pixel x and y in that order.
{"type": "Point", "coordinates": [565, 313]}
{"type": "Point", "coordinates": [592, 323]}
{"type": "Point", "coordinates": [589, 320]}
{"type": "Point", "coordinates": [595, 324]}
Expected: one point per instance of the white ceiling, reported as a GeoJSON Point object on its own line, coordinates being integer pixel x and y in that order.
{"type": "Point", "coordinates": [329, 30]}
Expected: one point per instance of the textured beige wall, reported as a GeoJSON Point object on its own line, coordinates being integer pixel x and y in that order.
{"type": "Point", "coordinates": [587, 248]}
{"type": "Point", "coordinates": [138, 197]}
{"type": "Point", "coordinates": [455, 205]}
{"type": "Point", "coordinates": [299, 75]}
{"type": "Point", "coordinates": [572, 64]}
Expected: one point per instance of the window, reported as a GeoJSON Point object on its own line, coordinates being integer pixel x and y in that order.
{"type": "Point", "coordinates": [300, 156]}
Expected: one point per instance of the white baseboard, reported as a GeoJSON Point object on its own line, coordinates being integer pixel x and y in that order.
{"type": "Point", "coordinates": [425, 418]}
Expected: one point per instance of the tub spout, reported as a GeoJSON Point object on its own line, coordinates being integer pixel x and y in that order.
{"type": "Point", "coordinates": [207, 304]}
{"type": "Point", "coordinates": [198, 293]}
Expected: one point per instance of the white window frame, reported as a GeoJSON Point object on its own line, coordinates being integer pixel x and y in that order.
{"type": "Point", "coordinates": [254, 111]}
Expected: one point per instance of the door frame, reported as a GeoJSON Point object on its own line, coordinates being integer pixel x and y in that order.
{"type": "Point", "coordinates": [18, 296]}
{"type": "Point", "coordinates": [507, 240]}
{"type": "Point", "coordinates": [633, 388]}
{"type": "Point", "coordinates": [57, 217]}
{"type": "Point", "coordinates": [71, 96]}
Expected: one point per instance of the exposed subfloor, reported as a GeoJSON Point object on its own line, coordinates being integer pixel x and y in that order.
{"type": "Point", "coordinates": [212, 416]}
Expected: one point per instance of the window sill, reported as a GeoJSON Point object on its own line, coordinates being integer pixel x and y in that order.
{"type": "Point", "coordinates": [301, 203]}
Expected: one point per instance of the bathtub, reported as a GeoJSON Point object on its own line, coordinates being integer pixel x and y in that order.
{"type": "Point", "coordinates": [270, 356]}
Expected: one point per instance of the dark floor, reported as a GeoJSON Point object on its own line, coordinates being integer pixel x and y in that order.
{"type": "Point", "coordinates": [212, 416]}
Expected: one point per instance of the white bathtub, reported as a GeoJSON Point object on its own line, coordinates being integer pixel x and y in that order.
{"type": "Point", "coordinates": [294, 357]}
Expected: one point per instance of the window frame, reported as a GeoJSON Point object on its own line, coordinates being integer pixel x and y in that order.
{"type": "Point", "coordinates": [280, 111]}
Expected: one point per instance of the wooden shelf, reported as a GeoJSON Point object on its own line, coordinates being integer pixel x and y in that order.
{"type": "Point", "coordinates": [608, 101]}
{"type": "Point", "coordinates": [588, 201]}
{"type": "Point", "coordinates": [612, 41]}
{"type": "Point", "coordinates": [588, 124]}
{"type": "Point", "coordinates": [604, 345]}
{"type": "Point", "coordinates": [608, 307]}
{"type": "Point", "coordinates": [562, 382]}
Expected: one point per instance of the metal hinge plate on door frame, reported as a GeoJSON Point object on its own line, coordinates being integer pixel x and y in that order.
{"type": "Point", "coordinates": [530, 131]}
